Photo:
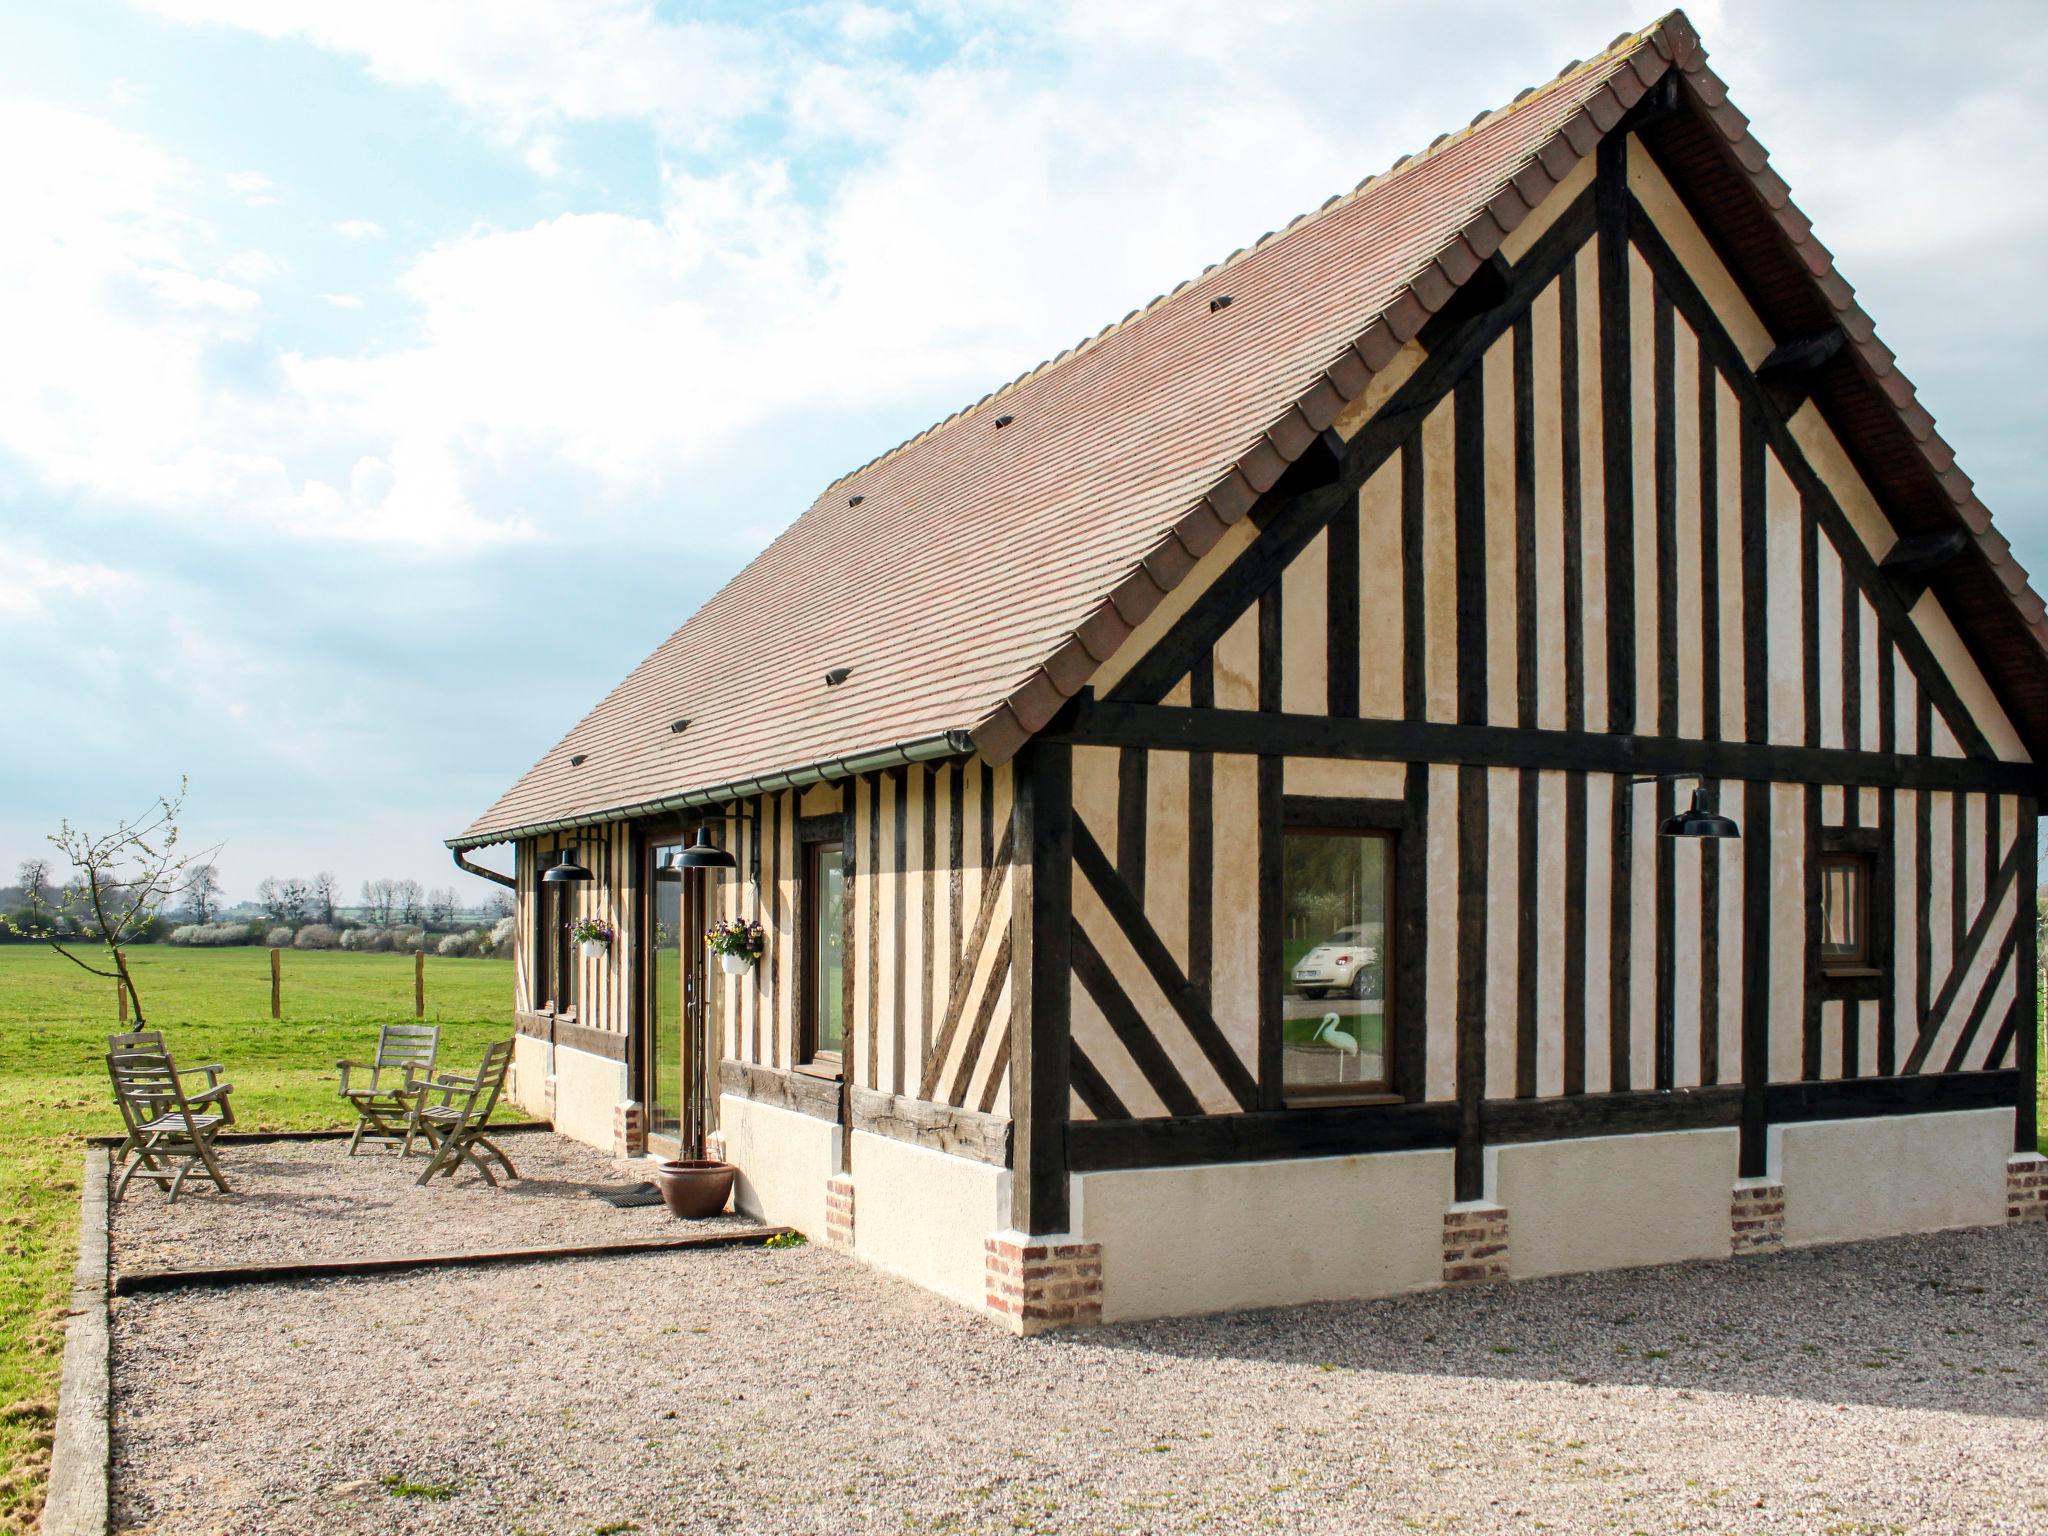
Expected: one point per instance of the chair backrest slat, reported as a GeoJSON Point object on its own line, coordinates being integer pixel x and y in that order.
{"type": "Point", "coordinates": [146, 1086]}
{"type": "Point", "coordinates": [400, 1045]}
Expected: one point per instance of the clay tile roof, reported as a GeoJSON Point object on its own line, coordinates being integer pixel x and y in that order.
{"type": "Point", "coordinates": [973, 577]}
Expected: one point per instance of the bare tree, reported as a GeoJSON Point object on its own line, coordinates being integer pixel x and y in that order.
{"type": "Point", "coordinates": [33, 874]}
{"type": "Point", "coordinates": [121, 880]}
{"type": "Point", "coordinates": [323, 896]}
{"type": "Point", "coordinates": [203, 893]}
{"type": "Point", "coordinates": [441, 905]}
{"type": "Point", "coordinates": [377, 902]}
{"type": "Point", "coordinates": [410, 900]}
{"type": "Point", "coordinates": [497, 904]}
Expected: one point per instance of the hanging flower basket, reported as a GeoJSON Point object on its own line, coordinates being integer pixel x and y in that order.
{"type": "Point", "coordinates": [737, 942]}
{"type": "Point", "coordinates": [593, 938]}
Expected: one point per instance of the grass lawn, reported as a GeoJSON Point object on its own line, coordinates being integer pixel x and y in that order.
{"type": "Point", "coordinates": [215, 1006]}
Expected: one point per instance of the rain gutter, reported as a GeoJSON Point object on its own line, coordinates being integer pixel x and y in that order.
{"type": "Point", "coordinates": [922, 750]}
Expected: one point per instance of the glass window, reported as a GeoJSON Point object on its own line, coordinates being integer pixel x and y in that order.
{"type": "Point", "coordinates": [1844, 912]}
{"type": "Point", "coordinates": [824, 958]}
{"type": "Point", "coordinates": [1336, 915]}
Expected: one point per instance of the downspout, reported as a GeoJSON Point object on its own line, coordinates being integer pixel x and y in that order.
{"type": "Point", "coordinates": [463, 864]}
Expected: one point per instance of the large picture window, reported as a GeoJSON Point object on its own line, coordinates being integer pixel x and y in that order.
{"type": "Point", "coordinates": [1337, 899]}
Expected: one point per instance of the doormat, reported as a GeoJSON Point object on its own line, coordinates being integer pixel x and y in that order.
{"type": "Point", "coordinates": [628, 1195]}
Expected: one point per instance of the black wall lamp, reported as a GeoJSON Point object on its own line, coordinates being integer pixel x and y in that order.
{"type": "Point", "coordinates": [564, 868]}
{"type": "Point", "coordinates": [1696, 820]}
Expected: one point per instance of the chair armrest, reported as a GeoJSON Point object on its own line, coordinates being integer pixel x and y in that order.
{"type": "Point", "coordinates": [212, 1069]}
{"type": "Point", "coordinates": [219, 1091]}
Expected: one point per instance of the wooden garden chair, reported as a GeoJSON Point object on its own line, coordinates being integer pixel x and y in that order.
{"type": "Point", "coordinates": [165, 1123]}
{"type": "Point", "coordinates": [384, 1102]}
{"type": "Point", "coordinates": [453, 1111]}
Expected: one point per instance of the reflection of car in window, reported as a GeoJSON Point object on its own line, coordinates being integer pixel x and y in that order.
{"type": "Point", "coordinates": [1344, 962]}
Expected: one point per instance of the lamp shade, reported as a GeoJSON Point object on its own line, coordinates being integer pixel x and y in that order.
{"type": "Point", "coordinates": [565, 867]}
{"type": "Point", "coordinates": [1697, 821]}
{"type": "Point", "coordinates": [703, 854]}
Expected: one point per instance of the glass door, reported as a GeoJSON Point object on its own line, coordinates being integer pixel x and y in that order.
{"type": "Point", "coordinates": [678, 1058]}
{"type": "Point", "coordinates": [662, 1092]}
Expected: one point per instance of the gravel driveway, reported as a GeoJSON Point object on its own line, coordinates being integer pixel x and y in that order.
{"type": "Point", "coordinates": [300, 1200]}
{"type": "Point", "coordinates": [1893, 1386]}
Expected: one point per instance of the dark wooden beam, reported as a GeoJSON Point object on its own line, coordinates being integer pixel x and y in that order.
{"type": "Point", "coordinates": [1101, 1145]}
{"type": "Point", "coordinates": [1911, 565]}
{"type": "Point", "coordinates": [1787, 375]}
{"type": "Point", "coordinates": [1041, 929]}
{"type": "Point", "coordinates": [1165, 728]}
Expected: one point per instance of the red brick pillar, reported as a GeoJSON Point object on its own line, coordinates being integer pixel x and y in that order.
{"type": "Point", "coordinates": [1475, 1243]}
{"type": "Point", "coordinates": [1756, 1216]}
{"type": "Point", "coordinates": [629, 1129]}
{"type": "Point", "coordinates": [839, 1213]}
{"type": "Point", "coordinates": [2026, 1187]}
{"type": "Point", "coordinates": [1037, 1284]}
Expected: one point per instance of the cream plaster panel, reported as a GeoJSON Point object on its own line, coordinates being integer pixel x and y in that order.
{"type": "Point", "coordinates": [1614, 1202]}
{"type": "Point", "coordinates": [588, 1091]}
{"type": "Point", "coordinates": [1237, 538]}
{"type": "Point", "coordinates": [1555, 204]}
{"type": "Point", "coordinates": [1696, 255]}
{"type": "Point", "coordinates": [1932, 620]}
{"type": "Point", "coordinates": [1345, 778]}
{"type": "Point", "coordinates": [528, 1088]}
{"type": "Point", "coordinates": [1381, 635]}
{"type": "Point", "coordinates": [1215, 1237]}
{"type": "Point", "coordinates": [925, 1215]}
{"type": "Point", "coordinates": [1305, 627]}
{"type": "Point", "coordinates": [1851, 1179]}
{"type": "Point", "coordinates": [784, 1159]}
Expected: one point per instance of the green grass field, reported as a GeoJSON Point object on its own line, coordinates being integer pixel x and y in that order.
{"type": "Point", "coordinates": [215, 1006]}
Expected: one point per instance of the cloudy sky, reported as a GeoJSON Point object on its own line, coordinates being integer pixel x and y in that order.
{"type": "Point", "coordinates": [381, 379]}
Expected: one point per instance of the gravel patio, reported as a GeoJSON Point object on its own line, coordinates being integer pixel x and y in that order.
{"type": "Point", "coordinates": [1894, 1386]}
{"type": "Point", "coordinates": [296, 1201]}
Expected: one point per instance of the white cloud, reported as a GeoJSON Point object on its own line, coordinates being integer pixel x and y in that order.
{"type": "Point", "coordinates": [252, 187]}
{"type": "Point", "coordinates": [342, 300]}
{"type": "Point", "coordinates": [28, 581]}
{"type": "Point", "coordinates": [521, 65]}
{"type": "Point", "coordinates": [359, 229]}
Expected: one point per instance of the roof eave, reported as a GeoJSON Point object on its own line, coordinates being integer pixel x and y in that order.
{"type": "Point", "coordinates": [923, 749]}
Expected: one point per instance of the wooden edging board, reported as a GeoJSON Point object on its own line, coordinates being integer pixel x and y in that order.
{"type": "Point", "coordinates": [321, 1269]}
{"type": "Point", "coordinates": [81, 1455]}
{"type": "Point", "coordinates": [225, 1138]}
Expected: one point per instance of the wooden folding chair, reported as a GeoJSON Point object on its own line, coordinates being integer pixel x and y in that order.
{"type": "Point", "coordinates": [164, 1122]}
{"type": "Point", "coordinates": [453, 1111]}
{"type": "Point", "coordinates": [384, 1104]}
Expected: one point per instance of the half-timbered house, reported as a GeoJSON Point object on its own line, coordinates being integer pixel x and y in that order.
{"type": "Point", "coordinates": [1204, 799]}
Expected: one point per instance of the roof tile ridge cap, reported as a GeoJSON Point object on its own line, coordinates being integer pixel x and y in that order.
{"type": "Point", "coordinates": [1375, 183]}
{"type": "Point", "coordinates": [1068, 666]}
{"type": "Point", "coordinates": [1878, 362]}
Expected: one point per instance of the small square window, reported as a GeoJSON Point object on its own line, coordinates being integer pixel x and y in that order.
{"type": "Point", "coordinates": [1845, 947]}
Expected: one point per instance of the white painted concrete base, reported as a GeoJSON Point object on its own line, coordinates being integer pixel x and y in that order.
{"type": "Point", "coordinates": [1851, 1179]}
{"type": "Point", "coordinates": [530, 1075]}
{"type": "Point", "coordinates": [784, 1159]}
{"type": "Point", "coordinates": [1219, 1236]}
{"type": "Point", "coordinates": [1615, 1202]}
{"type": "Point", "coordinates": [588, 1090]}
{"type": "Point", "coordinates": [926, 1215]}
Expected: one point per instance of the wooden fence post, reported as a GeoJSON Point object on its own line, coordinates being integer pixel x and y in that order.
{"type": "Point", "coordinates": [276, 985]}
{"type": "Point", "coordinates": [419, 984]}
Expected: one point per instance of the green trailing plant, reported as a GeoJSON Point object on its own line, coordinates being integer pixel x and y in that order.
{"type": "Point", "coordinates": [120, 882]}
{"type": "Point", "coordinates": [591, 931]}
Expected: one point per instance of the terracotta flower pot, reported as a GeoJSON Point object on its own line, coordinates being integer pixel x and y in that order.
{"type": "Point", "coordinates": [695, 1187]}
